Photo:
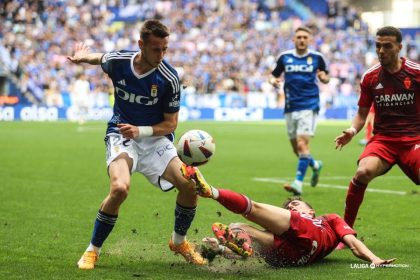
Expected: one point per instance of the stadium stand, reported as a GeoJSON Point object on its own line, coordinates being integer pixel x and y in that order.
{"type": "Point", "coordinates": [223, 47]}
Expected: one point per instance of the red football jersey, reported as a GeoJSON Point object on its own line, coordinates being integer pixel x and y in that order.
{"type": "Point", "coordinates": [396, 98]}
{"type": "Point", "coordinates": [308, 239]}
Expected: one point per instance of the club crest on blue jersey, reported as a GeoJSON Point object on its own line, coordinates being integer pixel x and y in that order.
{"type": "Point", "coordinates": [309, 60]}
{"type": "Point", "coordinates": [154, 91]}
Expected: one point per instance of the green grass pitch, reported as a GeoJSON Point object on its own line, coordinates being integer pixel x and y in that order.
{"type": "Point", "coordinates": [53, 178]}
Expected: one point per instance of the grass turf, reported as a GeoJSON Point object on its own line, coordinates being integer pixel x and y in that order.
{"type": "Point", "coordinates": [53, 178]}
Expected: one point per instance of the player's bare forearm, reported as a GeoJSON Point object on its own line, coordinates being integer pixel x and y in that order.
{"type": "Point", "coordinates": [359, 119]}
{"type": "Point", "coordinates": [361, 251]}
{"type": "Point", "coordinates": [92, 58]}
{"type": "Point", "coordinates": [168, 125]}
{"type": "Point", "coordinates": [164, 128]}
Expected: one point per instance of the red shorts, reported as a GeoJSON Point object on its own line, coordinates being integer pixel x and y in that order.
{"type": "Point", "coordinates": [403, 151]}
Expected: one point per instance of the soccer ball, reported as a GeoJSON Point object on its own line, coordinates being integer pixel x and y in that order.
{"type": "Point", "coordinates": [195, 147]}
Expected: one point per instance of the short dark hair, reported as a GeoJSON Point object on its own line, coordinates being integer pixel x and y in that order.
{"type": "Point", "coordinates": [304, 28]}
{"type": "Point", "coordinates": [390, 31]}
{"type": "Point", "coordinates": [290, 199]}
{"type": "Point", "coordinates": [155, 27]}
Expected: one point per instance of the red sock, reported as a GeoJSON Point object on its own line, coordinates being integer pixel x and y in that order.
{"type": "Point", "coordinates": [354, 198]}
{"type": "Point", "coordinates": [235, 202]}
{"type": "Point", "coordinates": [369, 128]}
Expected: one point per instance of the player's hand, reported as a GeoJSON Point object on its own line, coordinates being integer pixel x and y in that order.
{"type": "Point", "coordinates": [380, 261]}
{"type": "Point", "coordinates": [343, 139]}
{"type": "Point", "coordinates": [129, 131]}
{"type": "Point", "coordinates": [212, 243]}
{"type": "Point", "coordinates": [80, 51]}
{"type": "Point", "coordinates": [275, 82]}
{"type": "Point", "coordinates": [322, 76]}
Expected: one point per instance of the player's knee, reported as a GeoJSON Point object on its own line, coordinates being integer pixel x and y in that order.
{"type": "Point", "coordinates": [364, 174]}
{"type": "Point", "coordinates": [119, 189]}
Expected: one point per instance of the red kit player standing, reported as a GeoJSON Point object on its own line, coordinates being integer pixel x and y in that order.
{"type": "Point", "coordinates": [393, 87]}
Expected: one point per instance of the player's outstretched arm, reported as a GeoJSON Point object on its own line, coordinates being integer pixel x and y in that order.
{"type": "Point", "coordinates": [82, 54]}
{"type": "Point", "coordinates": [361, 251]}
{"type": "Point", "coordinates": [357, 124]}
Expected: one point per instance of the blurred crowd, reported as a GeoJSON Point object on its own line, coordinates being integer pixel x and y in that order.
{"type": "Point", "coordinates": [217, 46]}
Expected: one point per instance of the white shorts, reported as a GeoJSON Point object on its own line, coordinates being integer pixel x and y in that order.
{"type": "Point", "coordinates": [301, 123]}
{"type": "Point", "coordinates": [150, 155]}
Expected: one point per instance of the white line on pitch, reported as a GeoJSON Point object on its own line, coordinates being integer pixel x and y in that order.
{"type": "Point", "coordinates": [278, 180]}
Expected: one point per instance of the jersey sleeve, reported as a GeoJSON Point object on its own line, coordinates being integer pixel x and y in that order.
{"type": "Point", "coordinates": [322, 64]}
{"type": "Point", "coordinates": [279, 67]}
{"type": "Point", "coordinates": [173, 97]}
{"type": "Point", "coordinates": [106, 63]}
{"type": "Point", "coordinates": [365, 99]}
{"type": "Point", "coordinates": [340, 227]}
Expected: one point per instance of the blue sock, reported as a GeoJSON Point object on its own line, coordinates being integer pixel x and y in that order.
{"type": "Point", "coordinates": [183, 219]}
{"type": "Point", "coordinates": [311, 161]}
{"type": "Point", "coordinates": [104, 224]}
{"type": "Point", "coordinates": [302, 166]}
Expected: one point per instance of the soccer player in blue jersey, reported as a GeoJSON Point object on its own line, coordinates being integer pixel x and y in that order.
{"type": "Point", "coordinates": [302, 67]}
{"type": "Point", "coordinates": [140, 134]}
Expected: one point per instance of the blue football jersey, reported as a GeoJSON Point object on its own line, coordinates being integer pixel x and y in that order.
{"type": "Point", "coordinates": [140, 100]}
{"type": "Point", "coordinates": [300, 86]}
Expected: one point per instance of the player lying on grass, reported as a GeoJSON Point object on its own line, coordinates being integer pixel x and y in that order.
{"type": "Point", "coordinates": [291, 236]}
